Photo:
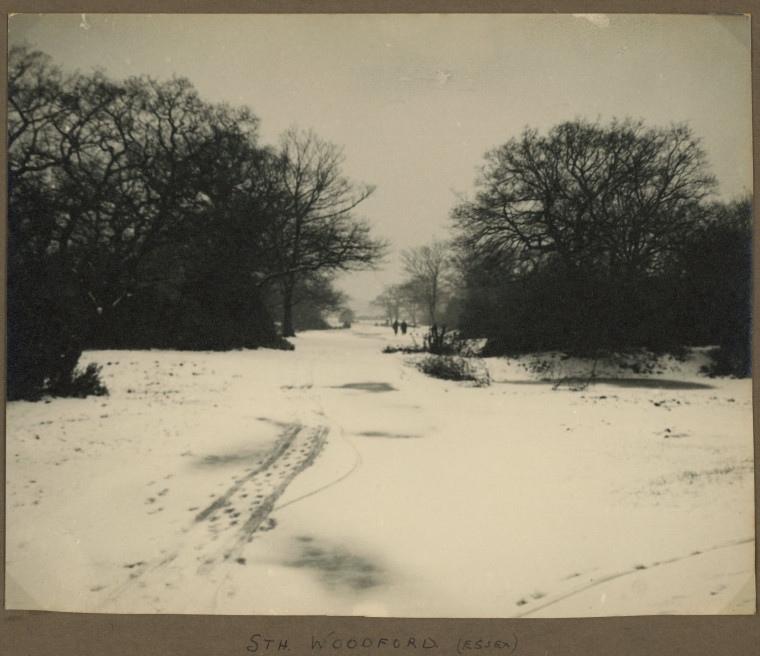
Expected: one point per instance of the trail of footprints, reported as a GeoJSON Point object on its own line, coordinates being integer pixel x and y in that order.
{"type": "Point", "coordinates": [246, 505]}
{"type": "Point", "coordinates": [220, 531]}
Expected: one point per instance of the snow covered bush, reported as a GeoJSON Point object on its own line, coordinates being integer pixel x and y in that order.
{"type": "Point", "coordinates": [404, 349]}
{"type": "Point", "coordinates": [453, 367]}
{"type": "Point", "coordinates": [439, 341]}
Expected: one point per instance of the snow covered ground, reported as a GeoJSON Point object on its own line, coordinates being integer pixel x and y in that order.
{"type": "Point", "coordinates": [339, 480]}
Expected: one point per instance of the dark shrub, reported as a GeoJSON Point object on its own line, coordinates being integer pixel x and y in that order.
{"type": "Point", "coordinates": [85, 383]}
{"type": "Point", "coordinates": [280, 344]}
{"type": "Point", "coordinates": [440, 342]}
{"type": "Point", "coordinates": [726, 361]}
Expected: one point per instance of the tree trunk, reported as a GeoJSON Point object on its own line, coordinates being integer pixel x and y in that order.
{"type": "Point", "coordinates": [287, 307]}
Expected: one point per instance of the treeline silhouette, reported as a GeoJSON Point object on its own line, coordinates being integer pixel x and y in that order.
{"type": "Point", "coordinates": [595, 238]}
{"type": "Point", "coordinates": [142, 216]}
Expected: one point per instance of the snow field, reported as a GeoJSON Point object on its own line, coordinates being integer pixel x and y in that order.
{"type": "Point", "coordinates": [421, 497]}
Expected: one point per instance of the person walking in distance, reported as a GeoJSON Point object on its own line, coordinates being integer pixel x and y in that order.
{"type": "Point", "coordinates": [395, 327]}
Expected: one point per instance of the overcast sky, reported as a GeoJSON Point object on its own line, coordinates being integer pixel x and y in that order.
{"type": "Point", "coordinates": [416, 100]}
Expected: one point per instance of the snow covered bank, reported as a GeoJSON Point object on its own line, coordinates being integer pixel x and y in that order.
{"type": "Point", "coordinates": [336, 479]}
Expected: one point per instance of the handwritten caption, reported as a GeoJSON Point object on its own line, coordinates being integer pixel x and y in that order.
{"type": "Point", "coordinates": [259, 643]}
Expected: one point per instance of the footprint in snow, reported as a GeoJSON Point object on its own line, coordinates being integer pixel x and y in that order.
{"type": "Point", "coordinates": [268, 525]}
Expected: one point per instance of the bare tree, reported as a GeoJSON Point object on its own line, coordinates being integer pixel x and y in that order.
{"type": "Point", "coordinates": [612, 196]}
{"type": "Point", "coordinates": [411, 302]}
{"type": "Point", "coordinates": [576, 226]}
{"type": "Point", "coordinates": [390, 302]}
{"type": "Point", "coordinates": [316, 229]}
{"type": "Point", "coordinates": [60, 177]}
{"type": "Point", "coordinates": [116, 188]}
{"type": "Point", "coordinates": [427, 268]}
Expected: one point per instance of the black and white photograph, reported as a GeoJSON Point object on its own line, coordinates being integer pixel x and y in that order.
{"type": "Point", "coordinates": [380, 315]}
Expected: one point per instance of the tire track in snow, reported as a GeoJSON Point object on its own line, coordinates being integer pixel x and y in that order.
{"type": "Point", "coordinates": [308, 403]}
{"type": "Point", "coordinates": [357, 463]}
{"type": "Point", "coordinates": [282, 444]}
{"type": "Point", "coordinates": [208, 543]}
{"type": "Point", "coordinates": [229, 583]}
{"type": "Point", "coordinates": [634, 570]}
{"type": "Point", "coordinates": [296, 449]}
{"type": "Point", "coordinates": [299, 444]}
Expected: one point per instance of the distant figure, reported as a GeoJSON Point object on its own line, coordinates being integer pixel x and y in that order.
{"type": "Point", "coordinates": [395, 327]}
{"type": "Point", "coordinates": [403, 327]}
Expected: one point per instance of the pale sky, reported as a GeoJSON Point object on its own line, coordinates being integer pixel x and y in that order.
{"type": "Point", "coordinates": [416, 100]}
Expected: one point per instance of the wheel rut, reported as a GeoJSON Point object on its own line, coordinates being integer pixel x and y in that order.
{"type": "Point", "coordinates": [611, 577]}
{"type": "Point", "coordinates": [258, 491]}
{"type": "Point", "coordinates": [220, 531]}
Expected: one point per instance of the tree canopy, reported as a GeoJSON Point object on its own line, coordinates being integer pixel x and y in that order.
{"type": "Point", "coordinates": [616, 196]}
{"type": "Point", "coordinates": [578, 239]}
{"type": "Point", "coordinates": [316, 229]}
{"type": "Point", "coordinates": [141, 215]}
{"type": "Point", "coordinates": [427, 268]}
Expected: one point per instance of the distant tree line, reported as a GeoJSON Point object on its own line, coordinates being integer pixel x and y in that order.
{"type": "Point", "coordinates": [598, 238]}
{"type": "Point", "coordinates": [429, 279]}
{"type": "Point", "coordinates": [142, 216]}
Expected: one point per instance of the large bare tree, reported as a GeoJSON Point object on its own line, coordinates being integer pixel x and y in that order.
{"type": "Point", "coordinates": [570, 232]}
{"type": "Point", "coordinates": [118, 188]}
{"type": "Point", "coordinates": [316, 228]}
{"type": "Point", "coordinates": [615, 196]}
